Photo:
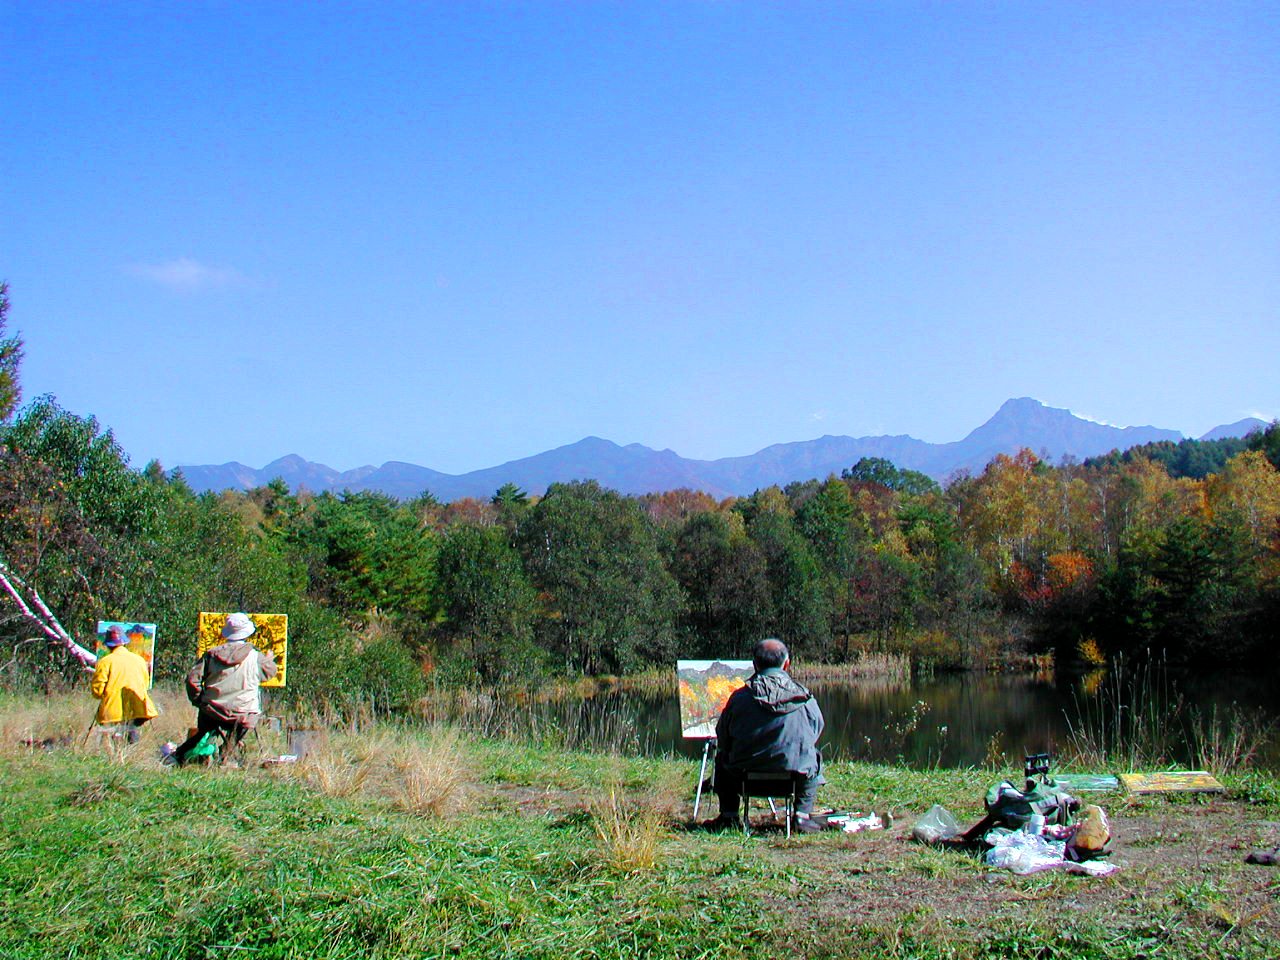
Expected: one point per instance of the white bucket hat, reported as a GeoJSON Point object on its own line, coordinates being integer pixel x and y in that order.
{"type": "Point", "coordinates": [238, 627]}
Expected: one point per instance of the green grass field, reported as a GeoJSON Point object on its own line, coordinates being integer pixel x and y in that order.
{"type": "Point", "coordinates": [422, 844]}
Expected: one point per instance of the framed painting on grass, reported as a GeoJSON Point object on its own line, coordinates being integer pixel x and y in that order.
{"type": "Point", "coordinates": [705, 687]}
{"type": "Point", "coordinates": [139, 637]}
{"type": "Point", "coordinates": [271, 636]}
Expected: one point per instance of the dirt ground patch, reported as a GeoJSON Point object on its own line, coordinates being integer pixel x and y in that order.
{"type": "Point", "coordinates": [1182, 877]}
{"type": "Point", "coordinates": [537, 801]}
{"type": "Point", "coordinates": [1180, 864]}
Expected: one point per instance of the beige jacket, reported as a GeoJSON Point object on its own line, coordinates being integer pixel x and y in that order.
{"type": "Point", "coordinates": [225, 681]}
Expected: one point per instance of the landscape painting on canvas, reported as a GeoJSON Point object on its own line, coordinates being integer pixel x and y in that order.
{"type": "Point", "coordinates": [705, 686]}
{"type": "Point", "coordinates": [139, 637]}
{"type": "Point", "coordinates": [272, 636]}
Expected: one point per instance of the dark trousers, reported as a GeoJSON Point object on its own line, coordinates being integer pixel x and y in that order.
{"type": "Point", "coordinates": [729, 791]}
{"type": "Point", "coordinates": [207, 722]}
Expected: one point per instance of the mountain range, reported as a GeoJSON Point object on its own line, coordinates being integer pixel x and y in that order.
{"type": "Point", "coordinates": [1050, 432]}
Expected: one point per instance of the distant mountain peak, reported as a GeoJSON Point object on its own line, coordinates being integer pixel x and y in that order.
{"type": "Point", "coordinates": [1021, 404]}
{"type": "Point", "coordinates": [288, 461]}
{"type": "Point", "coordinates": [589, 442]}
{"type": "Point", "coordinates": [1020, 422]}
{"type": "Point", "coordinates": [1241, 428]}
{"type": "Point", "coordinates": [1021, 409]}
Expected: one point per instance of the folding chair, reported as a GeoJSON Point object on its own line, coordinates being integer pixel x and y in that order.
{"type": "Point", "coordinates": [231, 746]}
{"type": "Point", "coordinates": [783, 785]}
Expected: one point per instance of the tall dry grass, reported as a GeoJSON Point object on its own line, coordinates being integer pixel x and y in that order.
{"type": "Point", "coordinates": [432, 777]}
{"type": "Point", "coordinates": [600, 723]}
{"type": "Point", "coordinates": [1227, 740]}
{"type": "Point", "coordinates": [894, 667]}
{"type": "Point", "coordinates": [65, 721]}
{"type": "Point", "coordinates": [56, 720]}
{"type": "Point", "coordinates": [1132, 722]}
{"type": "Point", "coordinates": [334, 775]}
{"type": "Point", "coordinates": [629, 833]}
{"type": "Point", "coordinates": [425, 772]}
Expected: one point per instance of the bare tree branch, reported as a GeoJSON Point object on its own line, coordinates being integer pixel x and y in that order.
{"type": "Point", "coordinates": [26, 597]}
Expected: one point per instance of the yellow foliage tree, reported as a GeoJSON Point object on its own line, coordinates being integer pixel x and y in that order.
{"type": "Point", "coordinates": [1250, 486]}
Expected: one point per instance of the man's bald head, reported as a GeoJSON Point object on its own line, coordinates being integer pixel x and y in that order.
{"type": "Point", "coordinates": [770, 653]}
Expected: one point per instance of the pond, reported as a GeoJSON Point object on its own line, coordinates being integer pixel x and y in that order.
{"type": "Point", "coordinates": [958, 719]}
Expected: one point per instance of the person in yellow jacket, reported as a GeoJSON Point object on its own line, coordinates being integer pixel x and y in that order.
{"type": "Point", "coordinates": [120, 682]}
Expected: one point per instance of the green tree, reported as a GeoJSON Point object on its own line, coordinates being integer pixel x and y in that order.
{"type": "Point", "coordinates": [725, 582]}
{"type": "Point", "coordinates": [512, 504]}
{"type": "Point", "coordinates": [1186, 591]}
{"type": "Point", "coordinates": [98, 540]}
{"type": "Point", "coordinates": [487, 604]}
{"type": "Point", "coordinates": [1267, 441]}
{"type": "Point", "coordinates": [839, 535]}
{"type": "Point", "coordinates": [799, 610]}
{"type": "Point", "coordinates": [509, 496]}
{"type": "Point", "coordinates": [1186, 458]}
{"type": "Point", "coordinates": [372, 554]}
{"type": "Point", "coordinates": [79, 526]}
{"type": "Point", "coordinates": [10, 361]}
{"type": "Point", "coordinates": [610, 604]}
{"type": "Point", "coordinates": [877, 470]}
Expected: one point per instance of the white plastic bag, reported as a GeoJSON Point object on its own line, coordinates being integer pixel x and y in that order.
{"type": "Point", "coordinates": [937, 824]}
{"type": "Point", "coordinates": [1025, 853]}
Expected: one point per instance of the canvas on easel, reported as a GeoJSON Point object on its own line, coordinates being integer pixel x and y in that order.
{"type": "Point", "coordinates": [140, 638]}
{"type": "Point", "coordinates": [271, 636]}
{"type": "Point", "coordinates": [704, 688]}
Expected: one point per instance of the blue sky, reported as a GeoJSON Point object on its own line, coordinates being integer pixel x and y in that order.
{"type": "Point", "coordinates": [461, 233]}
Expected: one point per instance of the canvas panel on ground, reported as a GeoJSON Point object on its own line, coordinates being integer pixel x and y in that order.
{"type": "Point", "coordinates": [272, 636]}
{"type": "Point", "coordinates": [705, 687]}
{"type": "Point", "coordinates": [1172, 781]}
{"type": "Point", "coordinates": [140, 638]}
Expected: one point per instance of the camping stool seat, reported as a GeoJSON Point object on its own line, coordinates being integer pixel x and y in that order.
{"type": "Point", "coordinates": [772, 785]}
{"type": "Point", "coordinates": [231, 747]}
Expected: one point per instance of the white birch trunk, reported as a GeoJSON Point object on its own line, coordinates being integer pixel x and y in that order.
{"type": "Point", "coordinates": [25, 597]}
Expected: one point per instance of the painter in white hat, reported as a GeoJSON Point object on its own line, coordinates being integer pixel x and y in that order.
{"type": "Point", "coordinates": [238, 627]}
{"type": "Point", "coordinates": [224, 686]}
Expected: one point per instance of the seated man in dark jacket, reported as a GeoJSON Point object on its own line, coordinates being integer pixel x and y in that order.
{"type": "Point", "coordinates": [770, 725]}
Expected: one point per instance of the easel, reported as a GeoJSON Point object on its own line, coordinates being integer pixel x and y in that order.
{"type": "Point", "coordinates": [708, 746]}
{"type": "Point", "coordinates": [700, 707]}
{"type": "Point", "coordinates": [114, 736]}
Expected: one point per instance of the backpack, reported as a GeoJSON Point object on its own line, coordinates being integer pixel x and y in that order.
{"type": "Point", "coordinates": [1013, 807]}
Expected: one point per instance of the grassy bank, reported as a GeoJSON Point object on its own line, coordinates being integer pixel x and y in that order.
{"type": "Point", "coordinates": [421, 843]}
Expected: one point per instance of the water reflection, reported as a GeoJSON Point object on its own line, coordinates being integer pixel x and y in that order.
{"type": "Point", "coordinates": [952, 720]}
{"type": "Point", "coordinates": [944, 720]}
